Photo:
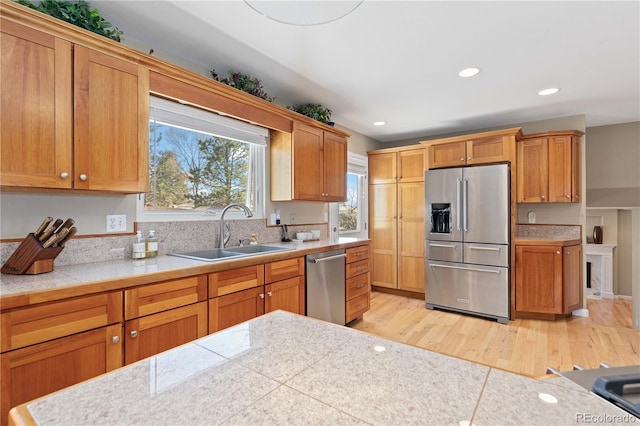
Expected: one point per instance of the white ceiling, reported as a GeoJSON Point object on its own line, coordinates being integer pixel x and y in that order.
{"type": "Point", "coordinates": [397, 61]}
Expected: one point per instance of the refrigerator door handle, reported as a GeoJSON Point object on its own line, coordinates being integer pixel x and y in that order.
{"type": "Point", "coordinates": [465, 214]}
{"type": "Point", "coordinates": [452, 246]}
{"type": "Point", "coordinates": [484, 248]}
{"type": "Point", "coordinates": [467, 269]}
{"type": "Point", "coordinates": [459, 201]}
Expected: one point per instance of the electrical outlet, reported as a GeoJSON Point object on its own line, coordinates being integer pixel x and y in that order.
{"type": "Point", "coordinates": [531, 217]}
{"type": "Point", "coordinates": [116, 223]}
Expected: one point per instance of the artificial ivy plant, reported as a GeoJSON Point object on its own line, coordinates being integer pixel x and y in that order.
{"type": "Point", "coordinates": [77, 13]}
{"type": "Point", "coordinates": [315, 111]}
{"type": "Point", "coordinates": [244, 82]}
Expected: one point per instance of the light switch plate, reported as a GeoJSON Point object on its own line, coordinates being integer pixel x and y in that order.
{"type": "Point", "coordinates": [116, 223]}
{"type": "Point", "coordinates": [532, 217]}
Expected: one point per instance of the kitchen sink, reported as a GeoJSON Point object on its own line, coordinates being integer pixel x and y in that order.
{"type": "Point", "coordinates": [256, 249]}
{"type": "Point", "coordinates": [212, 255]}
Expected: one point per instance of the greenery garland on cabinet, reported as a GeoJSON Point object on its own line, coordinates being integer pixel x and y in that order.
{"type": "Point", "coordinates": [247, 83]}
{"type": "Point", "coordinates": [77, 13]}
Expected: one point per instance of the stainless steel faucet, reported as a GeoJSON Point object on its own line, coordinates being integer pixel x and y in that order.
{"type": "Point", "coordinates": [247, 212]}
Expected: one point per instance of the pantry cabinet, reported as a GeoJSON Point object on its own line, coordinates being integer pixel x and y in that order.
{"type": "Point", "coordinates": [73, 118]}
{"type": "Point", "coordinates": [396, 217]}
{"type": "Point", "coordinates": [548, 278]}
{"type": "Point", "coordinates": [49, 346]}
{"type": "Point", "coordinates": [240, 294]}
{"type": "Point", "coordinates": [309, 164]}
{"type": "Point", "coordinates": [548, 168]}
{"type": "Point", "coordinates": [162, 316]}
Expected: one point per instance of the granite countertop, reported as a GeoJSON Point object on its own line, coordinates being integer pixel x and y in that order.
{"type": "Point", "coordinates": [531, 234]}
{"type": "Point", "coordinates": [283, 368]}
{"type": "Point", "coordinates": [88, 278]}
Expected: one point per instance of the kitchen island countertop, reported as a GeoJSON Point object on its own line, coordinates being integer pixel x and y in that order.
{"type": "Point", "coordinates": [283, 368]}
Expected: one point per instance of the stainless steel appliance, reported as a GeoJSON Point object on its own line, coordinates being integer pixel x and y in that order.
{"type": "Point", "coordinates": [467, 240]}
{"type": "Point", "coordinates": [325, 286]}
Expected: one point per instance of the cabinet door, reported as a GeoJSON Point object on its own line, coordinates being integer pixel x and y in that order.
{"type": "Point", "coordinates": [383, 234]}
{"type": "Point", "coordinates": [287, 295]}
{"type": "Point", "coordinates": [488, 150]}
{"type": "Point", "coordinates": [234, 308]}
{"type": "Point", "coordinates": [335, 167]}
{"type": "Point", "coordinates": [539, 279]}
{"type": "Point", "coordinates": [532, 170]}
{"type": "Point", "coordinates": [560, 164]}
{"type": "Point", "coordinates": [308, 163]}
{"type": "Point", "coordinates": [111, 132]}
{"type": "Point", "coordinates": [576, 170]}
{"type": "Point", "coordinates": [447, 155]}
{"type": "Point", "coordinates": [38, 370]}
{"type": "Point", "coordinates": [226, 282]}
{"type": "Point", "coordinates": [283, 269]}
{"type": "Point", "coordinates": [152, 334]}
{"type": "Point", "coordinates": [382, 168]}
{"type": "Point", "coordinates": [36, 121]}
{"type": "Point", "coordinates": [411, 236]}
{"type": "Point", "coordinates": [572, 278]}
{"type": "Point", "coordinates": [411, 166]}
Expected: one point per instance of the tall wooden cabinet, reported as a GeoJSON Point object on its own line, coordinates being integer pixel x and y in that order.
{"type": "Point", "coordinates": [309, 164]}
{"type": "Point", "coordinates": [396, 217]}
{"type": "Point", "coordinates": [72, 117]}
{"type": "Point", "coordinates": [548, 167]}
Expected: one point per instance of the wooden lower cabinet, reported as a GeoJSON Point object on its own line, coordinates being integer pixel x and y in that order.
{"type": "Point", "coordinates": [234, 308]}
{"type": "Point", "coordinates": [287, 295]}
{"type": "Point", "coordinates": [357, 282]}
{"type": "Point", "coordinates": [548, 279]}
{"type": "Point", "coordinates": [152, 334]}
{"type": "Point", "coordinates": [37, 370]}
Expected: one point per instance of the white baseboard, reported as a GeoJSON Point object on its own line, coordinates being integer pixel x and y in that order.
{"type": "Point", "coordinates": [622, 296]}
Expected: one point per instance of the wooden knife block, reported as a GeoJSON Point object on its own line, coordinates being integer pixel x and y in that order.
{"type": "Point", "coordinates": [31, 258]}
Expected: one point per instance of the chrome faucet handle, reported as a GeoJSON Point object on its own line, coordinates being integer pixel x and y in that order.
{"type": "Point", "coordinates": [242, 241]}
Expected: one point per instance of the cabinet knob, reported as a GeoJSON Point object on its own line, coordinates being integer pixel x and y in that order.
{"type": "Point", "coordinates": [269, 294]}
{"type": "Point", "coordinates": [360, 286]}
{"type": "Point", "coordinates": [115, 339]}
{"type": "Point", "coordinates": [134, 333]}
{"type": "Point", "coordinates": [83, 177]}
{"type": "Point", "coordinates": [468, 158]}
{"type": "Point", "coordinates": [568, 196]}
{"type": "Point", "coordinates": [558, 252]}
{"type": "Point", "coordinates": [577, 197]}
{"type": "Point", "coordinates": [261, 295]}
{"type": "Point", "coordinates": [64, 175]}
{"type": "Point", "coordinates": [461, 158]}
{"type": "Point", "coordinates": [542, 197]}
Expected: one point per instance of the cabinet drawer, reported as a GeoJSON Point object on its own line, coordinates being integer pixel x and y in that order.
{"type": "Point", "coordinates": [357, 253]}
{"type": "Point", "coordinates": [357, 268]}
{"type": "Point", "coordinates": [226, 282]}
{"type": "Point", "coordinates": [36, 324]}
{"type": "Point", "coordinates": [357, 306]}
{"type": "Point", "coordinates": [151, 299]}
{"type": "Point", "coordinates": [357, 285]}
{"type": "Point", "coordinates": [283, 269]}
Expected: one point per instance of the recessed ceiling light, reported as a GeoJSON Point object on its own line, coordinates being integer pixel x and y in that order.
{"type": "Point", "coordinates": [379, 123]}
{"type": "Point", "coordinates": [469, 72]}
{"type": "Point", "coordinates": [549, 91]}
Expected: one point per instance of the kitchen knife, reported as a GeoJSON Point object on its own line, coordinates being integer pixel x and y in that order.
{"type": "Point", "coordinates": [66, 225]}
{"type": "Point", "coordinates": [43, 225]}
{"type": "Point", "coordinates": [58, 236]}
{"type": "Point", "coordinates": [49, 232]}
{"type": "Point", "coordinates": [72, 232]}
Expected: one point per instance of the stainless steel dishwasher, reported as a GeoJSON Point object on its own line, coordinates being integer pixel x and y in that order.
{"type": "Point", "coordinates": [325, 286]}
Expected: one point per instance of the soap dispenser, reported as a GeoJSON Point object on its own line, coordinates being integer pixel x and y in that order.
{"type": "Point", "coordinates": [254, 240]}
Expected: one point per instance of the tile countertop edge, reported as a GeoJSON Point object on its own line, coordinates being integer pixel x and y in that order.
{"type": "Point", "coordinates": [75, 280]}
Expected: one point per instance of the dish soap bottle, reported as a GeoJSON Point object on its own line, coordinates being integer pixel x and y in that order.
{"type": "Point", "coordinates": [151, 249]}
{"type": "Point", "coordinates": [138, 246]}
{"type": "Point", "coordinates": [254, 240]}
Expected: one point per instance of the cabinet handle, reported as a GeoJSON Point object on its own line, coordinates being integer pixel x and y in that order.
{"type": "Point", "coordinates": [134, 334]}
{"type": "Point", "coordinates": [360, 286]}
{"type": "Point", "coordinates": [64, 175]}
{"type": "Point", "coordinates": [269, 293]}
{"type": "Point", "coordinates": [468, 158]}
{"type": "Point", "coordinates": [83, 177]}
{"type": "Point", "coordinates": [566, 252]}
{"type": "Point", "coordinates": [360, 306]}
{"type": "Point", "coordinates": [461, 158]}
{"type": "Point", "coordinates": [542, 197]}
{"type": "Point", "coordinates": [360, 254]}
{"type": "Point", "coordinates": [261, 295]}
{"type": "Point", "coordinates": [558, 252]}
{"type": "Point", "coordinates": [568, 196]}
{"type": "Point", "coordinates": [577, 197]}
{"type": "Point", "coordinates": [115, 339]}
{"type": "Point", "coordinates": [360, 268]}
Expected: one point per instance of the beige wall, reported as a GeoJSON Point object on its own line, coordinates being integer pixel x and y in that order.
{"type": "Point", "coordinates": [613, 156]}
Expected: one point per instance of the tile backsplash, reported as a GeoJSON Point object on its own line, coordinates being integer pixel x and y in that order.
{"type": "Point", "coordinates": [172, 237]}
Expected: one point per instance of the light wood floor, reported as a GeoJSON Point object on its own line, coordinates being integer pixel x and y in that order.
{"type": "Point", "coordinates": [525, 347]}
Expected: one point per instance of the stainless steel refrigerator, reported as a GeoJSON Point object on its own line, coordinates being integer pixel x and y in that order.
{"type": "Point", "coordinates": [467, 221]}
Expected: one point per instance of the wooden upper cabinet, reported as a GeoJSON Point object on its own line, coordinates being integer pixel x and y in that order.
{"type": "Point", "coordinates": [308, 164]}
{"type": "Point", "coordinates": [396, 165]}
{"type": "Point", "coordinates": [548, 168]}
{"type": "Point", "coordinates": [411, 165]}
{"type": "Point", "coordinates": [382, 167]}
{"type": "Point", "coordinates": [111, 130]}
{"type": "Point", "coordinates": [479, 148]}
{"type": "Point", "coordinates": [36, 121]}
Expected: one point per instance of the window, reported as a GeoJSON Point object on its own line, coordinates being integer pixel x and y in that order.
{"type": "Point", "coordinates": [352, 212]}
{"type": "Point", "coordinates": [200, 161]}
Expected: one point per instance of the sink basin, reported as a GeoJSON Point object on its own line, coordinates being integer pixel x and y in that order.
{"type": "Point", "coordinates": [212, 255]}
{"type": "Point", "coordinates": [256, 249]}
